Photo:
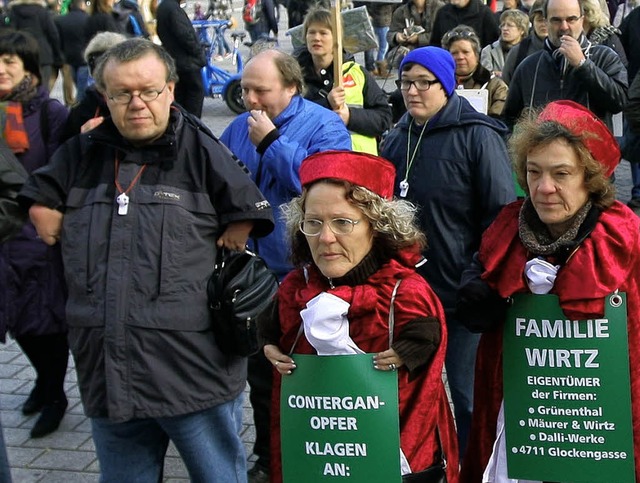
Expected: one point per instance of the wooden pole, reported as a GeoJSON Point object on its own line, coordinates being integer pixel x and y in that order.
{"type": "Point", "coordinates": [336, 19]}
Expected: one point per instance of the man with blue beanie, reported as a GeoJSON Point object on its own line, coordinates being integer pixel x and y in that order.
{"type": "Point", "coordinates": [452, 162]}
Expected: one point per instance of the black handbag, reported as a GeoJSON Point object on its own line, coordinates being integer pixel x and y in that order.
{"type": "Point", "coordinates": [239, 290]}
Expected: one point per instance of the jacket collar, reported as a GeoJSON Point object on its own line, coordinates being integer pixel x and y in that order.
{"type": "Point", "coordinates": [456, 112]}
{"type": "Point", "coordinates": [163, 151]}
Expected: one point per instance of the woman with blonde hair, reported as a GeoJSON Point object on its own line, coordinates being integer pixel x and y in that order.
{"type": "Point", "coordinates": [599, 30]}
{"type": "Point", "coordinates": [514, 26]}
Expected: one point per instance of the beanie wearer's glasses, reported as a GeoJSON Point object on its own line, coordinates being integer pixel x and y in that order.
{"type": "Point", "coordinates": [421, 84]}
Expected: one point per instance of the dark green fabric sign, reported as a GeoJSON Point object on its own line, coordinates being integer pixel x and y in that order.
{"type": "Point", "coordinates": [339, 421]}
{"type": "Point", "coordinates": [567, 395]}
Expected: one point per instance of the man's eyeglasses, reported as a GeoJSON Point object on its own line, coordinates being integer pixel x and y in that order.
{"type": "Point", "coordinates": [421, 84]}
{"type": "Point", "coordinates": [339, 226]}
{"type": "Point", "coordinates": [570, 20]}
{"type": "Point", "coordinates": [147, 95]}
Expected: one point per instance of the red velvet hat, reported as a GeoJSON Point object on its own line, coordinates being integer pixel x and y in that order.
{"type": "Point", "coordinates": [372, 172]}
{"type": "Point", "coordinates": [583, 123]}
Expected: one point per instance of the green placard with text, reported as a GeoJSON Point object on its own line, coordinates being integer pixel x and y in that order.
{"type": "Point", "coordinates": [567, 395]}
{"type": "Point", "coordinates": [339, 421]}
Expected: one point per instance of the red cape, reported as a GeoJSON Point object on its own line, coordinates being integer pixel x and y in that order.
{"type": "Point", "coordinates": [422, 401]}
{"type": "Point", "coordinates": [607, 260]}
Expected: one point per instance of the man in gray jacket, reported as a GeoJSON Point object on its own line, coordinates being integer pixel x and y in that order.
{"type": "Point", "coordinates": [140, 205]}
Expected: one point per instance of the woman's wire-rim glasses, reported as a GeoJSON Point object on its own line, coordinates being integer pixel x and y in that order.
{"type": "Point", "coordinates": [338, 226]}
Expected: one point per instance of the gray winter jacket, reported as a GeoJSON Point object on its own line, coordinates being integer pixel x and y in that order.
{"type": "Point", "coordinates": [139, 327]}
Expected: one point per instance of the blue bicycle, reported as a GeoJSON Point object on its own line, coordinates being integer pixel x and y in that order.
{"type": "Point", "coordinates": [218, 82]}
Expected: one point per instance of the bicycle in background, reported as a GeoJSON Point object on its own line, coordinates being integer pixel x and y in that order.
{"type": "Point", "coordinates": [218, 82]}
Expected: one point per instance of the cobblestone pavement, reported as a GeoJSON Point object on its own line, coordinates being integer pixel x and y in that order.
{"type": "Point", "coordinates": [67, 456]}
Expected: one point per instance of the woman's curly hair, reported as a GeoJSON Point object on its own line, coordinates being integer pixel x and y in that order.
{"type": "Point", "coordinates": [530, 134]}
{"type": "Point", "coordinates": [393, 222]}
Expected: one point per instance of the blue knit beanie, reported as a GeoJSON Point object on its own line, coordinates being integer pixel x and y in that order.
{"type": "Point", "coordinates": [438, 61]}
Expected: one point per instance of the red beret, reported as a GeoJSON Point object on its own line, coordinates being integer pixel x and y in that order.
{"type": "Point", "coordinates": [372, 172]}
{"type": "Point", "coordinates": [585, 124]}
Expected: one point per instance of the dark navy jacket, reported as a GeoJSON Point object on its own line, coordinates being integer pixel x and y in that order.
{"type": "Point", "coordinates": [459, 179]}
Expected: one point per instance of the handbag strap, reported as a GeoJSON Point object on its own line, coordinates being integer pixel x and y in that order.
{"type": "Point", "coordinates": [392, 322]}
{"type": "Point", "coordinates": [392, 316]}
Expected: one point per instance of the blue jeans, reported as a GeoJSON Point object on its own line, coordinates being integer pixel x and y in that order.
{"type": "Point", "coordinates": [460, 364]}
{"type": "Point", "coordinates": [635, 178]}
{"type": "Point", "coordinates": [381, 33]}
{"type": "Point", "coordinates": [369, 55]}
{"type": "Point", "coordinates": [208, 441]}
{"type": "Point", "coordinates": [81, 79]}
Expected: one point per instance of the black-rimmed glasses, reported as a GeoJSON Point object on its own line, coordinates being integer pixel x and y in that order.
{"type": "Point", "coordinates": [339, 226]}
{"type": "Point", "coordinates": [421, 84]}
{"type": "Point", "coordinates": [148, 95]}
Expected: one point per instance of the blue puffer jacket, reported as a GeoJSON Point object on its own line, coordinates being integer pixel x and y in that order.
{"type": "Point", "coordinates": [459, 179]}
{"type": "Point", "coordinates": [305, 128]}
{"type": "Point", "coordinates": [32, 287]}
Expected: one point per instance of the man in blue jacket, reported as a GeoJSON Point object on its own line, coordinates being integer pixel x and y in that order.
{"type": "Point", "coordinates": [280, 129]}
{"type": "Point", "coordinates": [452, 162]}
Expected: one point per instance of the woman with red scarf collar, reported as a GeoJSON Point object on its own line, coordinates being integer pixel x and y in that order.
{"type": "Point", "coordinates": [351, 243]}
{"type": "Point", "coordinates": [32, 287]}
{"type": "Point", "coordinates": [568, 238]}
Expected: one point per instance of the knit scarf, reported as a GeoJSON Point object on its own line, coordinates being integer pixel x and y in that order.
{"type": "Point", "coordinates": [12, 127]}
{"type": "Point", "coordinates": [560, 59]}
{"type": "Point", "coordinates": [535, 235]}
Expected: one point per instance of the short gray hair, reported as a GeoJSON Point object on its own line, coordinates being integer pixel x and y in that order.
{"type": "Point", "coordinates": [130, 50]}
{"type": "Point", "coordinates": [99, 44]}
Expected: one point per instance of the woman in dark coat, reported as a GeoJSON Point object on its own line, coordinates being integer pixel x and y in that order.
{"type": "Point", "coordinates": [32, 287]}
{"type": "Point", "coordinates": [102, 19]}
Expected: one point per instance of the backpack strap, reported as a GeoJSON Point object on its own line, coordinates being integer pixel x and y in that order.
{"type": "Point", "coordinates": [135, 25]}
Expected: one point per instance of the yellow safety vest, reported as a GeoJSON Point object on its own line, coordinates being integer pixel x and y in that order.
{"type": "Point", "coordinates": [353, 80]}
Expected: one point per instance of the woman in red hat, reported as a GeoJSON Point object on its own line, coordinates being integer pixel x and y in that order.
{"type": "Point", "coordinates": [569, 239]}
{"type": "Point", "coordinates": [352, 243]}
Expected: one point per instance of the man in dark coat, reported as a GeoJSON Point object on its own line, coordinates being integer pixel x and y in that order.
{"type": "Point", "coordinates": [568, 67]}
{"type": "Point", "coordinates": [473, 13]}
{"type": "Point", "coordinates": [179, 39]}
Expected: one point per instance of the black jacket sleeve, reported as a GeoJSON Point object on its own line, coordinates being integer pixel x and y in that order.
{"type": "Point", "coordinates": [12, 176]}
{"type": "Point", "coordinates": [375, 116]}
{"type": "Point", "coordinates": [632, 109]}
{"type": "Point", "coordinates": [478, 306]}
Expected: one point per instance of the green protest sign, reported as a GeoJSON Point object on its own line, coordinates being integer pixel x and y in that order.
{"type": "Point", "coordinates": [339, 421]}
{"type": "Point", "coordinates": [567, 394]}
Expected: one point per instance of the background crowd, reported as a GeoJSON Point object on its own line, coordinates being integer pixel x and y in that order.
{"type": "Point", "coordinates": [467, 77]}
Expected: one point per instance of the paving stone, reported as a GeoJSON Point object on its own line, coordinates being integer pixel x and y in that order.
{"type": "Point", "coordinates": [72, 477]}
{"type": "Point", "coordinates": [16, 436]}
{"type": "Point", "coordinates": [60, 439]}
{"type": "Point", "coordinates": [175, 468]}
{"type": "Point", "coordinates": [27, 475]}
{"type": "Point", "coordinates": [63, 460]}
{"type": "Point", "coordinates": [19, 456]}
